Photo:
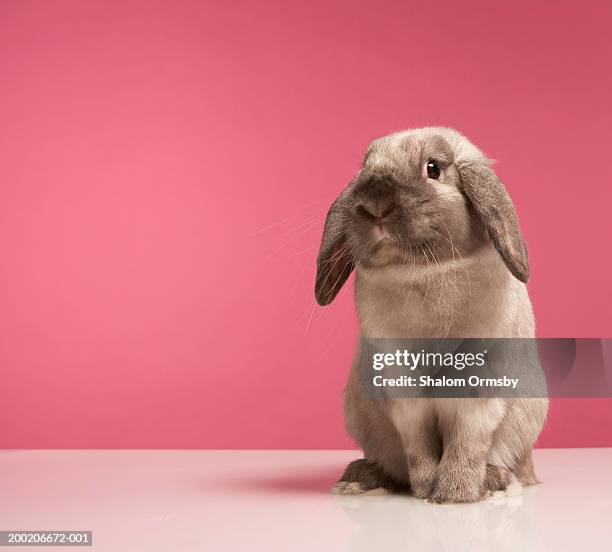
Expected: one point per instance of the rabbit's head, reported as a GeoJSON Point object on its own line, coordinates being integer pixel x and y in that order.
{"type": "Point", "coordinates": [421, 195]}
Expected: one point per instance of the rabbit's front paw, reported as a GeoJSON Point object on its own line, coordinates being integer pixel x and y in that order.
{"type": "Point", "coordinates": [452, 488]}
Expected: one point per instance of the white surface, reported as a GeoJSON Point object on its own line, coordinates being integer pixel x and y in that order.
{"type": "Point", "coordinates": [279, 500]}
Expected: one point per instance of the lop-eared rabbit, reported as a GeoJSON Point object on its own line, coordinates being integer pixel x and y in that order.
{"type": "Point", "coordinates": [435, 243]}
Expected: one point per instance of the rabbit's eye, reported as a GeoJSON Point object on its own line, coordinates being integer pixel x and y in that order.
{"type": "Point", "coordinates": [433, 169]}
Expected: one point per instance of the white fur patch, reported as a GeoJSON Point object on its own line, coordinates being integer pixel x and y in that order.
{"type": "Point", "coordinates": [514, 488]}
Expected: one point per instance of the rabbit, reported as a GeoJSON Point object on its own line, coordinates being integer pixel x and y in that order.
{"type": "Point", "coordinates": [435, 243]}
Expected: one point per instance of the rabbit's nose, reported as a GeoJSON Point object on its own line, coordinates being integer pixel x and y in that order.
{"type": "Point", "coordinates": [375, 196]}
{"type": "Point", "coordinates": [376, 208]}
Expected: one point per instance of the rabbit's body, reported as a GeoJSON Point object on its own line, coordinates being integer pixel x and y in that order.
{"type": "Point", "coordinates": [437, 254]}
{"type": "Point", "coordinates": [436, 301]}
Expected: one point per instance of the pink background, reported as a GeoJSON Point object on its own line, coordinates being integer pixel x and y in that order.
{"type": "Point", "coordinates": [165, 168]}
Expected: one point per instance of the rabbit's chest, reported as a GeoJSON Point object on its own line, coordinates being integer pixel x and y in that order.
{"type": "Point", "coordinates": [409, 305]}
{"type": "Point", "coordinates": [478, 298]}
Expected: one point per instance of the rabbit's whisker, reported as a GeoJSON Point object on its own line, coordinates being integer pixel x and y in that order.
{"type": "Point", "coordinates": [300, 252]}
{"type": "Point", "coordinates": [291, 217]}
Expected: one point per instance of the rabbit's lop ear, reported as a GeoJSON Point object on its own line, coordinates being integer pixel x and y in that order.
{"type": "Point", "coordinates": [496, 211]}
{"type": "Point", "coordinates": [335, 260]}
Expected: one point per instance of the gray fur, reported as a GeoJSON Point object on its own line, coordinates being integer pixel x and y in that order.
{"type": "Point", "coordinates": [433, 258]}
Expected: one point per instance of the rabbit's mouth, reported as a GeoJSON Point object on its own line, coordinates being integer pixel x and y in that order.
{"type": "Point", "coordinates": [389, 245]}
{"type": "Point", "coordinates": [380, 232]}
{"type": "Point", "coordinates": [385, 252]}
{"type": "Point", "coordinates": [384, 247]}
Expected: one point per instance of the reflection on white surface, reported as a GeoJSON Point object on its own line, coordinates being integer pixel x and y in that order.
{"type": "Point", "coordinates": [280, 500]}
{"type": "Point", "coordinates": [402, 524]}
